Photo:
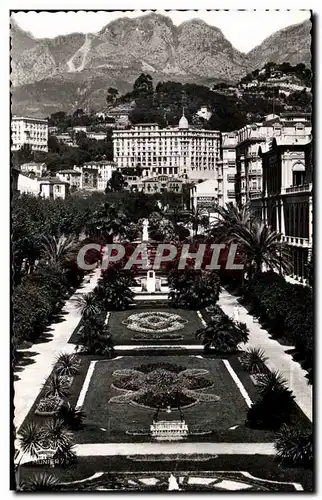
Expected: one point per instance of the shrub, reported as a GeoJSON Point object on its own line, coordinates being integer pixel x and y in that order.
{"type": "Point", "coordinates": [72, 417]}
{"type": "Point", "coordinates": [67, 365]}
{"type": "Point", "coordinates": [294, 446]}
{"type": "Point", "coordinates": [254, 359]}
{"type": "Point", "coordinates": [274, 406]}
{"type": "Point", "coordinates": [40, 482]}
{"type": "Point", "coordinates": [56, 387]}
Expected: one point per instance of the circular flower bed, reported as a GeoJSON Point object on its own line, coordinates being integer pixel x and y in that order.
{"type": "Point", "coordinates": [162, 385]}
{"type": "Point", "coordinates": [155, 321]}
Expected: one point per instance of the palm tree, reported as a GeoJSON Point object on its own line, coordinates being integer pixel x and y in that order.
{"type": "Point", "coordinates": [229, 218]}
{"type": "Point", "coordinates": [262, 246]}
{"type": "Point", "coordinates": [58, 250]}
{"type": "Point", "coordinates": [56, 387]}
{"type": "Point", "coordinates": [254, 360]}
{"type": "Point", "coordinates": [198, 217]}
{"type": "Point", "coordinates": [89, 306]}
{"type": "Point", "coordinates": [41, 482]}
{"type": "Point", "coordinates": [30, 441]}
{"type": "Point", "coordinates": [95, 338]}
{"type": "Point", "coordinates": [67, 364]}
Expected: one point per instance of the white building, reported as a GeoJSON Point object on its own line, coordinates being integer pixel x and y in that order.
{"type": "Point", "coordinates": [37, 168]}
{"type": "Point", "coordinates": [250, 137]}
{"type": "Point", "coordinates": [181, 151]}
{"type": "Point", "coordinates": [204, 197]}
{"type": "Point", "coordinates": [73, 177]}
{"type": "Point", "coordinates": [50, 187]}
{"type": "Point", "coordinates": [95, 174]}
{"type": "Point", "coordinates": [226, 171]}
{"type": "Point", "coordinates": [31, 131]}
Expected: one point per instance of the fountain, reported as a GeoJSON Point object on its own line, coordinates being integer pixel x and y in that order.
{"type": "Point", "coordinates": [173, 483]}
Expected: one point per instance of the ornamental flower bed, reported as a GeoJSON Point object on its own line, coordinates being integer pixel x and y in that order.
{"type": "Point", "coordinates": [155, 322]}
{"type": "Point", "coordinates": [159, 385]}
{"type": "Point", "coordinates": [48, 406]}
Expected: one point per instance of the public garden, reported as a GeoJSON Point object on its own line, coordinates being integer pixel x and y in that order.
{"type": "Point", "coordinates": [113, 382]}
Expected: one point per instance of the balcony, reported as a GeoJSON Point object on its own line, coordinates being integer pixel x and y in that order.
{"type": "Point", "coordinates": [255, 194]}
{"type": "Point", "coordinates": [255, 171]}
{"type": "Point", "coordinates": [296, 241]}
{"type": "Point", "coordinates": [304, 188]}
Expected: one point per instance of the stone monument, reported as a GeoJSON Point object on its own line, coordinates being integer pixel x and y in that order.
{"type": "Point", "coordinates": [169, 430]}
{"type": "Point", "coordinates": [145, 232]}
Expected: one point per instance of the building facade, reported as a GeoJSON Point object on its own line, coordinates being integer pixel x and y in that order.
{"type": "Point", "coordinates": [50, 187]}
{"type": "Point", "coordinates": [181, 151]}
{"type": "Point", "coordinates": [250, 137]}
{"type": "Point", "coordinates": [95, 174]}
{"type": "Point", "coordinates": [73, 177]}
{"type": "Point", "coordinates": [37, 168]}
{"type": "Point", "coordinates": [30, 131]}
{"type": "Point", "coordinates": [285, 203]}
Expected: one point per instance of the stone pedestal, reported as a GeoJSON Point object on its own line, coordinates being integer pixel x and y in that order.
{"type": "Point", "coordinates": [150, 281]}
{"type": "Point", "coordinates": [165, 430]}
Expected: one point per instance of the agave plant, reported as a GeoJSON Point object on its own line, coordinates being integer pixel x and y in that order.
{"type": "Point", "coordinates": [67, 365]}
{"type": "Point", "coordinates": [73, 417]}
{"type": "Point", "coordinates": [59, 250]}
{"type": "Point", "coordinates": [89, 305]}
{"type": "Point", "coordinates": [295, 445]}
{"type": "Point", "coordinates": [41, 482]}
{"type": "Point", "coordinates": [57, 387]}
{"type": "Point", "coordinates": [270, 381]}
{"type": "Point", "coordinates": [56, 434]}
{"type": "Point", "coordinates": [253, 360]}
{"type": "Point", "coordinates": [30, 439]}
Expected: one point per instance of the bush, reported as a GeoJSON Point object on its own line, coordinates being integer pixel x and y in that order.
{"type": "Point", "coordinates": [222, 333]}
{"type": "Point", "coordinates": [193, 289]}
{"type": "Point", "coordinates": [72, 417]}
{"type": "Point", "coordinates": [274, 406]}
{"type": "Point", "coordinates": [294, 446]}
{"type": "Point", "coordinates": [253, 360]}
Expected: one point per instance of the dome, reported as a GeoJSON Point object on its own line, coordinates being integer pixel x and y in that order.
{"type": "Point", "coordinates": [183, 123]}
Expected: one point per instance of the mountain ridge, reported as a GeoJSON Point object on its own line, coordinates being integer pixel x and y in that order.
{"type": "Point", "coordinates": [194, 51]}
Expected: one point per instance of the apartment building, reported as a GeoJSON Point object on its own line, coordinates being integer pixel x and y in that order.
{"type": "Point", "coordinates": [173, 151]}
{"type": "Point", "coordinates": [250, 137]}
{"type": "Point", "coordinates": [161, 183]}
{"type": "Point", "coordinates": [226, 172]}
{"type": "Point", "coordinates": [285, 203]}
{"type": "Point", "coordinates": [95, 174]}
{"type": "Point", "coordinates": [30, 131]}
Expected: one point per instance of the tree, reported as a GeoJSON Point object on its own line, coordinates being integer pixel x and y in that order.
{"type": "Point", "coordinates": [116, 182]}
{"type": "Point", "coordinates": [198, 218]}
{"type": "Point", "coordinates": [143, 85]}
{"type": "Point", "coordinates": [95, 338]}
{"type": "Point", "coordinates": [59, 250]}
{"type": "Point", "coordinates": [193, 289]}
{"type": "Point", "coordinates": [111, 96]}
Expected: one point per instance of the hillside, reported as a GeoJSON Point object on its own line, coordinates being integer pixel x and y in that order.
{"type": "Point", "coordinates": [75, 70]}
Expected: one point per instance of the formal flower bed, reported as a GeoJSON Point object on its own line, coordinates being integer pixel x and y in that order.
{"type": "Point", "coordinates": [162, 385]}
{"type": "Point", "coordinates": [155, 322]}
{"type": "Point", "coordinates": [48, 406]}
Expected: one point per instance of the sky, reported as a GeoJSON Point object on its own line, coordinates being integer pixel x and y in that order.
{"type": "Point", "coordinates": [244, 29]}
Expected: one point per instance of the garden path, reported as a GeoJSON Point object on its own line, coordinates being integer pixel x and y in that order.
{"type": "Point", "coordinates": [128, 449]}
{"type": "Point", "coordinates": [33, 376]}
{"type": "Point", "coordinates": [278, 359]}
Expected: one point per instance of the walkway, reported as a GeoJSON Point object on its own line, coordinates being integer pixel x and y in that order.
{"type": "Point", "coordinates": [33, 376]}
{"type": "Point", "coordinates": [145, 449]}
{"type": "Point", "coordinates": [107, 449]}
{"type": "Point", "coordinates": [278, 358]}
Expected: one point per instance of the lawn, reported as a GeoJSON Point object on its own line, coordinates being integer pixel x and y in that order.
{"type": "Point", "coordinates": [221, 420]}
{"type": "Point", "coordinates": [188, 324]}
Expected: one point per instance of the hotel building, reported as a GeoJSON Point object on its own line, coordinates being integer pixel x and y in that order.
{"type": "Point", "coordinates": [31, 131]}
{"type": "Point", "coordinates": [285, 203]}
{"type": "Point", "coordinates": [250, 137]}
{"type": "Point", "coordinates": [174, 151]}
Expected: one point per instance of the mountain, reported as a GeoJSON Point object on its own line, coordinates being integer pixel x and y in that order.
{"type": "Point", "coordinates": [291, 44]}
{"type": "Point", "coordinates": [75, 70]}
